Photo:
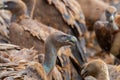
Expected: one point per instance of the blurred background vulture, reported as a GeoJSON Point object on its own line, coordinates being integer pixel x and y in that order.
{"type": "Point", "coordinates": [99, 70]}
{"type": "Point", "coordinates": [107, 32]}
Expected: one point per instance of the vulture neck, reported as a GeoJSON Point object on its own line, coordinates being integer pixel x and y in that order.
{"type": "Point", "coordinates": [18, 17]}
{"type": "Point", "coordinates": [30, 6]}
{"type": "Point", "coordinates": [50, 57]}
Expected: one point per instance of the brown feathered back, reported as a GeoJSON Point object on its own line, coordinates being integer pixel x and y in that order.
{"type": "Point", "coordinates": [104, 35]}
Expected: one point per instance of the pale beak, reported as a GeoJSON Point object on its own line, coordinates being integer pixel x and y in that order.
{"type": "Point", "coordinates": [112, 18]}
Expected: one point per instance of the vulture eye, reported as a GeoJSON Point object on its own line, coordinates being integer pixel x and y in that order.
{"type": "Point", "coordinates": [108, 13]}
{"type": "Point", "coordinates": [63, 37]}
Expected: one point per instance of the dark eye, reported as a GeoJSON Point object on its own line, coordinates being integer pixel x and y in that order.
{"type": "Point", "coordinates": [62, 37]}
{"type": "Point", "coordinates": [10, 4]}
{"type": "Point", "coordinates": [107, 13]}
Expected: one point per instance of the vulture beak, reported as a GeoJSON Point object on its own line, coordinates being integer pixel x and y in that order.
{"type": "Point", "coordinates": [112, 18]}
{"type": "Point", "coordinates": [71, 39]}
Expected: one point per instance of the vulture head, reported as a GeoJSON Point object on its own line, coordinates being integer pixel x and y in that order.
{"type": "Point", "coordinates": [16, 7]}
{"type": "Point", "coordinates": [110, 13]}
{"type": "Point", "coordinates": [97, 69]}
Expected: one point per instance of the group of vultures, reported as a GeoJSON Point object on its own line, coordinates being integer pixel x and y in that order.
{"type": "Point", "coordinates": [59, 39]}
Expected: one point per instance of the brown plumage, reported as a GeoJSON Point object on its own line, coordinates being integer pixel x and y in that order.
{"type": "Point", "coordinates": [30, 6]}
{"type": "Point", "coordinates": [30, 33]}
{"type": "Point", "coordinates": [92, 10]}
{"type": "Point", "coordinates": [107, 32]}
{"type": "Point", "coordinates": [66, 16]}
{"type": "Point", "coordinates": [100, 71]}
{"type": "Point", "coordinates": [117, 20]}
{"type": "Point", "coordinates": [35, 71]}
{"type": "Point", "coordinates": [104, 35]}
{"type": "Point", "coordinates": [23, 25]}
{"type": "Point", "coordinates": [97, 69]}
{"type": "Point", "coordinates": [49, 16]}
{"type": "Point", "coordinates": [67, 69]}
{"type": "Point", "coordinates": [19, 10]}
{"type": "Point", "coordinates": [70, 12]}
{"type": "Point", "coordinates": [4, 25]}
{"type": "Point", "coordinates": [114, 72]}
{"type": "Point", "coordinates": [63, 66]}
{"type": "Point", "coordinates": [111, 1]}
{"type": "Point", "coordinates": [52, 45]}
{"type": "Point", "coordinates": [115, 3]}
{"type": "Point", "coordinates": [27, 24]}
{"type": "Point", "coordinates": [115, 48]}
{"type": "Point", "coordinates": [3, 28]}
